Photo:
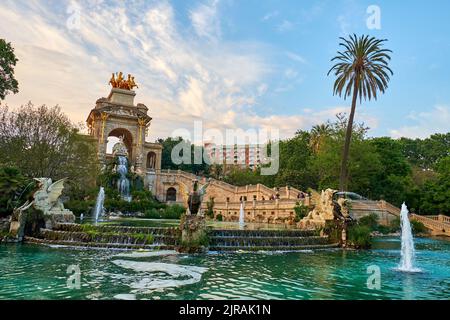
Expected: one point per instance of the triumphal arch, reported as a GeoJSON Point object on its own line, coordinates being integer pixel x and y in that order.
{"type": "Point", "coordinates": [118, 116]}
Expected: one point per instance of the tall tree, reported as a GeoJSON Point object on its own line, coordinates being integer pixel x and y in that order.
{"type": "Point", "coordinates": [361, 71]}
{"type": "Point", "coordinates": [8, 60]}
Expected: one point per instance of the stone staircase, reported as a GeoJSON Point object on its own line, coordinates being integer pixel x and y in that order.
{"type": "Point", "coordinates": [120, 237]}
{"type": "Point", "coordinates": [439, 225]}
{"type": "Point", "coordinates": [267, 240]}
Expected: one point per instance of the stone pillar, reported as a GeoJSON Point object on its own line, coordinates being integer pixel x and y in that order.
{"type": "Point", "coordinates": [193, 234]}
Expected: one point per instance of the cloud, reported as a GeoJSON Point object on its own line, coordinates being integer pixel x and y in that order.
{"type": "Point", "coordinates": [344, 25]}
{"type": "Point", "coordinates": [270, 15]}
{"type": "Point", "coordinates": [181, 77]}
{"type": "Point", "coordinates": [285, 25]}
{"type": "Point", "coordinates": [295, 57]}
{"type": "Point", "coordinates": [205, 20]}
{"type": "Point", "coordinates": [290, 73]}
{"type": "Point", "coordinates": [424, 124]}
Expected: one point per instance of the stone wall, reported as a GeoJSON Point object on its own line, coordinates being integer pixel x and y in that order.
{"type": "Point", "coordinates": [278, 211]}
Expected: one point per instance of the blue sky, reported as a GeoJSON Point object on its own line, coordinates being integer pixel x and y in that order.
{"type": "Point", "coordinates": [231, 63]}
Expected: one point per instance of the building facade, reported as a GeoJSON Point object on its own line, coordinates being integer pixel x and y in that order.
{"type": "Point", "coordinates": [245, 156]}
{"type": "Point", "coordinates": [118, 116]}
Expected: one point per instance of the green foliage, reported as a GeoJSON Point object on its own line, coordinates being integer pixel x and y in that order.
{"type": "Point", "coordinates": [174, 211]}
{"type": "Point", "coordinates": [8, 60]}
{"type": "Point", "coordinates": [14, 189]}
{"type": "Point", "coordinates": [80, 206]}
{"type": "Point", "coordinates": [359, 236]}
{"type": "Point", "coordinates": [370, 221]}
{"type": "Point", "coordinates": [426, 153]}
{"type": "Point", "coordinates": [210, 207]}
{"type": "Point", "coordinates": [144, 238]}
{"type": "Point", "coordinates": [195, 245]}
{"type": "Point", "coordinates": [42, 142]}
{"type": "Point", "coordinates": [219, 217]}
{"type": "Point", "coordinates": [300, 211]}
{"type": "Point", "coordinates": [195, 152]}
{"type": "Point", "coordinates": [418, 227]}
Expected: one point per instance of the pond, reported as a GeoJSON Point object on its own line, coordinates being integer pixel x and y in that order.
{"type": "Point", "coordinates": [40, 272]}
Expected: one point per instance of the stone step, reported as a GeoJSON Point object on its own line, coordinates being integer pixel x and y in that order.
{"type": "Point", "coordinates": [274, 248]}
{"type": "Point", "coordinates": [123, 229]}
{"type": "Point", "coordinates": [267, 241]}
{"type": "Point", "coordinates": [110, 238]}
{"type": "Point", "coordinates": [263, 233]}
{"type": "Point", "coordinates": [97, 245]}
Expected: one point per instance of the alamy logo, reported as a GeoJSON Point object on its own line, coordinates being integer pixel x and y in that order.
{"type": "Point", "coordinates": [374, 279]}
{"type": "Point", "coordinates": [74, 280]}
{"type": "Point", "coordinates": [74, 20]}
{"type": "Point", "coordinates": [373, 21]}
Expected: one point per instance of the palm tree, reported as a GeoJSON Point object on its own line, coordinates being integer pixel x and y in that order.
{"type": "Point", "coordinates": [361, 71]}
{"type": "Point", "coordinates": [318, 135]}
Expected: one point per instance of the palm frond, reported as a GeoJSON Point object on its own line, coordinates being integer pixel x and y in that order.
{"type": "Point", "coordinates": [362, 64]}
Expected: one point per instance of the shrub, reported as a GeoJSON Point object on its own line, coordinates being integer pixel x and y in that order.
{"type": "Point", "coordinates": [14, 189]}
{"type": "Point", "coordinates": [219, 217]}
{"type": "Point", "coordinates": [418, 227]}
{"type": "Point", "coordinates": [370, 221]}
{"type": "Point", "coordinates": [300, 211]}
{"type": "Point", "coordinates": [359, 236]}
{"type": "Point", "coordinates": [210, 208]}
{"type": "Point", "coordinates": [170, 212]}
{"type": "Point", "coordinates": [80, 206]}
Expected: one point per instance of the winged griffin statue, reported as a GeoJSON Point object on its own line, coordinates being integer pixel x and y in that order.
{"type": "Point", "coordinates": [46, 199]}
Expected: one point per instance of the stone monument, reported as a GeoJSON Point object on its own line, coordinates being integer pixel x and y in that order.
{"type": "Point", "coordinates": [47, 199]}
{"type": "Point", "coordinates": [192, 224]}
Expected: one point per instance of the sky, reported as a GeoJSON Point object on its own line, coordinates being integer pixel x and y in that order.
{"type": "Point", "coordinates": [232, 64]}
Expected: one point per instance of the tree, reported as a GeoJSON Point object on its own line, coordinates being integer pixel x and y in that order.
{"type": "Point", "coordinates": [8, 60]}
{"type": "Point", "coordinates": [14, 189]}
{"type": "Point", "coordinates": [426, 153]}
{"type": "Point", "coordinates": [362, 71]}
{"type": "Point", "coordinates": [435, 194]}
{"type": "Point", "coordinates": [42, 142]}
{"type": "Point", "coordinates": [166, 158]}
{"type": "Point", "coordinates": [318, 134]}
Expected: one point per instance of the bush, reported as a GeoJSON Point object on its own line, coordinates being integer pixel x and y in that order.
{"type": "Point", "coordinates": [14, 189]}
{"type": "Point", "coordinates": [370, 221]}
{"type": "Point", "coordinates": [219, 217]}
{"type": "Point", "coordinates": [170, 212]}
{"type": "Point", "coordinates": [300, 211]}
{"type": "Point", "coordinates": [418, 227]}
{"type": "Point", "coordinates": [80, 206]}
{"type": "Point", "coordinates": [395, 224]}
{"type": "Point", "coordinates": [359, 236]}
{"type": "Point", "coordinates": [210, 208]}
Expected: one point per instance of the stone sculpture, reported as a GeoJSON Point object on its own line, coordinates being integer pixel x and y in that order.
{"type": "Point", "coordinates": [325, 209]}
{"type": "Point", "coordinates": [195, 198]}
{"type": "Point", "coordinates": [47, 199]}
{"type": "Point", "coordinates": [117, 81]}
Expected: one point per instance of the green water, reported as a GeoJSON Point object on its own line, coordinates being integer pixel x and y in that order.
{"type": "Point", "coordinates": [40, 272]}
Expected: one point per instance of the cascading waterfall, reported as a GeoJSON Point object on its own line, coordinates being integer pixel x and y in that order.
{"type": "Point", "coordinates": [241, 216]}
{"type": "Point", "coordinates": [407, 251]}
{"type": "Point", "coordinates": [98, 210]}
{"type": "Point", "coordinates": [123, 184]}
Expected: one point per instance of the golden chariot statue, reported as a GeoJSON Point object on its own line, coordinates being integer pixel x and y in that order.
{"type": "Point", "coordinates": [118, 81]}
